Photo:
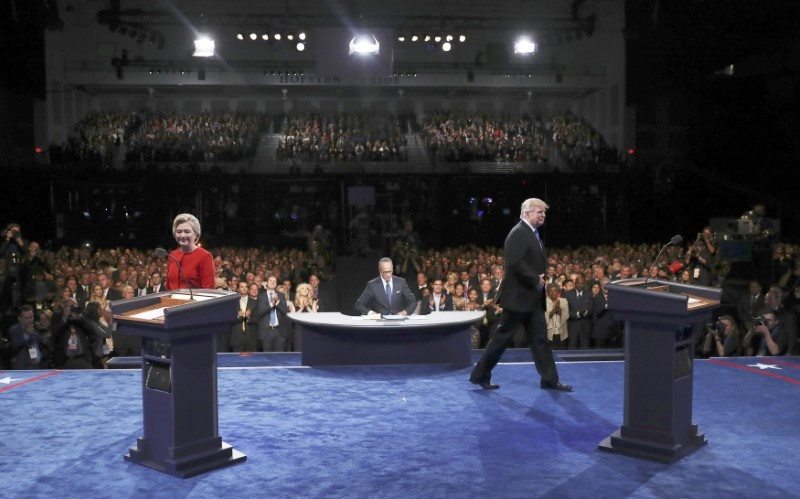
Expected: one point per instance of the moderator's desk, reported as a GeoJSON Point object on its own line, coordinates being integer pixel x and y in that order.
{"type": "Point", "coordinates": [331, 338]}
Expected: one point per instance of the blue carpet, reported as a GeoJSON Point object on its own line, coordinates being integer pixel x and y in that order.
{"type": "Point", "coordinates": [405, 431]}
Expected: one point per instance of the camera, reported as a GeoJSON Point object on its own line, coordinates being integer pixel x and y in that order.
{"type": "Point", "coordinates": [758, 321]}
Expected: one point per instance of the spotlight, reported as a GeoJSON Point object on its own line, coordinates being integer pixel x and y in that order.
{"type": "Point", "coordinates": [265, 37]}
{"type": "Point", "coordinates": [437, 39]}
{"type": "Point", "coordinates": [524, 46]}
{"type": "Point", "coordinates": [300, 46]}
{"type": "Point", "coordinates": [401, 38]}
{"type": "Point", "coordinates": [414, 38]}
{"type": "Point", "coordinates": [290, 37]}
{"type": "Point", "coordinates": [239, 36]}
{"type": "Point", "coordinates": [277, 37]}
{"type": "Point", "coordinates": [446, 46]}
{"type": "Point", "coordinates": [204, 46]}
{"type": "Point", "coordinates": [427, 38]}
{"type": "Point", "coordinates": [364, 45]}
{"type": "Point", "coordinates": [449, 38]}
{"type": "Point", "coordinates": [462, 38]}
{"type": "Point", "coordinates": [253, 36]}
{"type": "Point", "coordinates": [302, 35]}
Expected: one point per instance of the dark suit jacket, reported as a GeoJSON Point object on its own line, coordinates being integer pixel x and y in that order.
{"type": "Point", "coordinates": [263, 310]}
{"type": "Point", "coordinates": [19, 346]}
{"type": "Point", "coordinates": [113, 294]}
{"type": "Point", "coordinates": [601, 319]}
{"type": "Point", "coordinates": [445, 305]}
{"type": "Point", "coordinates": [526, 260]}
{"type": "Point", "coordinates": [490, 313]}
{"type": "Point", "coordinates": [150, 289]}
{"type": "Point", "coordinates": [577, 304]}
{"type": "Point", "coordinates": [374, 297]}
{"type": "Point", "coordinates": [250, 323]}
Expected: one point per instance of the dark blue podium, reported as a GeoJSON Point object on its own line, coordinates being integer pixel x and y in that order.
{"type": "Point", "coordinates": [179, 378]}
{"type": "Point", "coordinates": [659, 360]}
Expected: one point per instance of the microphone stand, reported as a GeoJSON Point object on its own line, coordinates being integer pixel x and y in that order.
{"type": "Point", "coordinates": [674, 240]}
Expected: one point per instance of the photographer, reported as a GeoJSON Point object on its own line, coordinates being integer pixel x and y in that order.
{"type": "Point", "coordinates": [768, 336]}
{"type": "Point", "coordinates": [27, 346]}
{"type": "Point", "coordinates": [700, 258]}
{"type": "Point", "coordinates": [75, 344]}
{"type": "Point", "coordinates": [723, 338]}
{"type": "Point", "coordinates": [12, 250]}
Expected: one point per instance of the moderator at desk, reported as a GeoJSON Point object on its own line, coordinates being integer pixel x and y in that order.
{"type": "Point", "coordinates": [331, 338]}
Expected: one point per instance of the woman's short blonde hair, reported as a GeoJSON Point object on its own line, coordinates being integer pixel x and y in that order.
{"type": "Point", "coordinates": [187, 218]}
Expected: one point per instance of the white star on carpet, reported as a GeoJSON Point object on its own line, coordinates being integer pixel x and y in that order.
{"type": "Point", "coordinates": [763, 366]}
{"type": "Point", "coordinates": [8, 379]}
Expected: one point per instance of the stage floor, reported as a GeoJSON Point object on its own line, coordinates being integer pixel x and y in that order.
{"type": "Point", "coordinates": [405, 431]}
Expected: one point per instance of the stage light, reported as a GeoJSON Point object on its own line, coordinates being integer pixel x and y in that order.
{"type": "Point", "coordinates": [302, 35]}
{"type": "Point", "coordinates": [446, 46]}
{"type": "Point", "coordinates": [239, 36]}
{"type": "Point", "coordinates": [204, 47]}
{"type": "Point", "coordinates": [462, 38]}
{"type": "Point", "coordinates": [265, 37]}
{"type": "Point", "coordinates": [290, 37]}
{"type": "Point", "coordinates": [448, 38]}
{"type": "Point", "coordinates": [364, 45]}
{"type": "Point", "coordinates": [414, 38]}
{"type": "Point", "coordinates": [401, 38]}
{"type": "Point", "coordinates": [253, 36]}
{"type": "Point", "coordinates": [437, 39]}
{"type": "Point", "coordinates": [277, 37]}
{"type": "Point", "coordinates": [301, 46]}
{"type": "Point", "coordinates": [427, 38]}
{"type": "Point", "coordinates": [524, 46]}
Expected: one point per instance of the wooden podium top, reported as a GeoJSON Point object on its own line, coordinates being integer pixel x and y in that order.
{"type": "Point", "coordinates": [175, 306]}
{"type": "Point", "coordinates": [694, 300]}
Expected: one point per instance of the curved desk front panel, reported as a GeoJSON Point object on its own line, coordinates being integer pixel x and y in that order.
{"type": "Point", "coordinates": [331, 338]}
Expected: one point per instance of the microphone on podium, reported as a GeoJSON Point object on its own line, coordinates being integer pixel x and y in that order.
{"type": "Point", "coordinates": [676, 239]}
{"type": "Point", "coordinates": [161, 253]}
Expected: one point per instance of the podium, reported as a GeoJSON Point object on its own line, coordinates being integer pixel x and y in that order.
{"type": "Point", "coordinates": [659, 355]}
{"type": "Point", "coordinates": [179, 378]}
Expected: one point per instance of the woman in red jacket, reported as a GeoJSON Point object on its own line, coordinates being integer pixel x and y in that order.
{"type": "Point", "coordinates": [197, 263]}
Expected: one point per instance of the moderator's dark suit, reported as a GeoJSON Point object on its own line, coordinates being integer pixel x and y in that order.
{"type": "Point", "coordinates": [243, 332]}
{"type": "Point", "coordinates": [429, 305]}
{"type": "Point", "coordinates": [522, 300]}
{"type": "Point", "coordinates": [273, 339]}
{"type": "Point", "coordinates": [580, 328]}
{"type": "Point", "coordinates": [374, 297]}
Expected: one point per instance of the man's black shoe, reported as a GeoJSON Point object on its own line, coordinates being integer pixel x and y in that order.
{"type": "Point", "coordinates": [486, 385]}
{"type": "Point", "coordinates": [555, 386]}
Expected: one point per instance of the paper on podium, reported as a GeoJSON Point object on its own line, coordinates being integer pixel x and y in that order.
{"type": "Point", "coordinates": [156, 313]}
{"type": "Point", "coordinates": [394, 317]}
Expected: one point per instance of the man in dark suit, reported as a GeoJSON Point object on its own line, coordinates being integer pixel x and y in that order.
{"type": "Point", "coordinates": [273, 324]}
{"type": "Point", "coordinates": [387, 294]}
{"type": "Point", "coordinates": [580, 316]}
{"type": "Point", "coordinates": [155, 283]}
{"type": "Point", "coordinates": [109, 292]}
{"type": "Point", "coordinates": [522, 298]}
{"type": "Point", "coordinates": [438, 301]}
{"type": "Point", "coordinates": [243, 332]}
{"type": "Point", "coordinates": [486, 299]}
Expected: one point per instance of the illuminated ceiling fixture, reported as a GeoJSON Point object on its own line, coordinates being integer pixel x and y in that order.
{"type": "Point", "coordinates": [462, 38]}
{"type": "Point", "coordinates": [302, 35]}
{"type": "Point", "coordinates": [253, 36]}
{"type": "Point", "coordinates": [239, 36]}
{"type": "Point", "coordinates": [204, 46]}
{"type": "Point", "coordinates": [427, 38]}
{"type": "Point", "coordinates": [277, 36]}
{"type": "Point", "coordinates": [446, 46]}
{"type": "Point", "coordinates": [265, 37]}
{"type": "Point", "coordinates": [364, 45]}
{"type": "Point", "coordinates": [437, 39]}
{"type": "Point", "coordinates": [414, 38]}
{"type": "Point", "coordinates": [449, 38]}
{"type": "Point", "coordinates": [401, 38]}
{"type": "Point", "coordinates": [290, 37]}
{"type": "Point", "coordinates": [524, 46]}
{"type": "Point", "coordinates": [301, 46]}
